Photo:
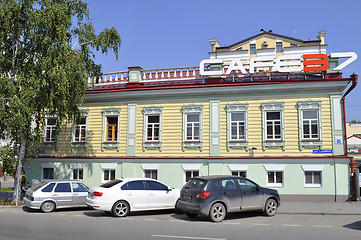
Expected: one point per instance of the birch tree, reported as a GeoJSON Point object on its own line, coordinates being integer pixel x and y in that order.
{"type": "Point", "coordinates": [46, 55]}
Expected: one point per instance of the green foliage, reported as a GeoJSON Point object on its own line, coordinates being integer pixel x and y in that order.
{"type": "Point", "coordinates": [47, 53]}
{"type": "Point", "coordinates": [7, 157]}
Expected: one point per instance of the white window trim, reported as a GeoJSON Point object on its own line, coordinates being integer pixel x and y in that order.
{"type": "Point", "coordinates": [237, 167]}
{"type": "Point", "coordinates": [275, 168]}
{"type": "Point", "coordinates": [189, 109]}
{"type": "Point", "coordinates": [76, 166]}
{"type": "Point", "coordinates": [110, 112]}
{"type": "Point", "coordinates": [74, 144]}
{"type": "Point", "coordinates": [152, 111]}
{"type": "Point", "coordinates": [312, 168]}
{"type": "Point", "coordinates": [237, 107]}
{"type": "Point", "coordinates": [45, 128]}
{"type": "Point", "coordinates": [309, 143]}
{"type": "Point", "coordinates": [273, 107]}
{"type": "Point", "coordinates": [107, 166]}
{"type": "Point", "coordinates": [190, 167]}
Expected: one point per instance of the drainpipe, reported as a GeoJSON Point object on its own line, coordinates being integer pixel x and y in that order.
{"type": "Point", "coordinates": [354, 78]}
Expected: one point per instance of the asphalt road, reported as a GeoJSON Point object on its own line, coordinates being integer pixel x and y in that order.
{"type": "Point", "coordinates": [24, 224]}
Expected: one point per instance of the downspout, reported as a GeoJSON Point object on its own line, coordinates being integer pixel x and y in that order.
{"type": "Point", "coordinates": [354, 78]}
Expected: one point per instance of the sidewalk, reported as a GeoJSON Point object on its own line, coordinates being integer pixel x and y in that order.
{"type": "Point", "coordinates": [320, 208]}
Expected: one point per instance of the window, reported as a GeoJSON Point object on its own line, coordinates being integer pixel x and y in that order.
{"type": "Point", "coordinates": [273, 125]}
{"type": "Point", "coordinates": [191, 174]}
{"type": "Point", "coordinates": [63, 187]}
{"type": "Point", "coordinates": [310, 124]}
{"type": "Point", "coordinates": [245, 184]}
{"type": "Point", "coordinates": [313, 175]}
{"type": "Point", "coordinates": [309, 115]}
{"type": "Point", "coordinates": [152, 130]}
{"type": "Point", "coordinates": [80, 131]}
{"type": "Point", "coordinates": [48, 173]}
{"type": "Point", "coordinates": [111, 122]}
{"type": "Point", "coordinates": [239, 173]}
{"type": "Point", "coordinates": [293, 45]}
{"type": "Point", "coordinates": [50, 130]}
{"type": "Point", "coordinates": [237, 136]}
{"type": "Point", "coordinates": [192, 126]}
{"type": "Point", "coordinates": [275, 175]}
{"type": "Point", "coordinates": [152, 185]}
{"type": "Point", "coordinates": [313, 179]}
{"type": "Point", "coordinates": [279, 47]}
{"type": "Point", "coordinates": [238, 126]}
{"type": "Point", "coordinates": [108, 174]}
{"type": "Point", "coordinates": [228, 184]}
{"type": "Point", "coordinates": [136, 185]}
{"type": "Point", "coordinates": [151, 174]}
{"type": "Point", "coordinates": [275, 178]}
{"type": "Point", "coordinates": [192, 133]}
{"type": "Point", "coordinates": [48, 188]}
{"type": "Point", "coordinates": [78, 173]}
{"type": "Point", "coordinates": [252, 49]}
{"type": "Point", "coordinates": [79, 187]}
{"type": "Point", "coordinates": [112, 129]}
{"type": "Point", "coordinates": [153, 127]}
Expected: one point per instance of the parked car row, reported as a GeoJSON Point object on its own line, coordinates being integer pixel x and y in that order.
{"type": "Point", "coordinates": [213, 196]}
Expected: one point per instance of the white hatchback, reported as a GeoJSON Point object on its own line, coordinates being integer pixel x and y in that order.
{"type": "Point", "coordinates": [121, 196]}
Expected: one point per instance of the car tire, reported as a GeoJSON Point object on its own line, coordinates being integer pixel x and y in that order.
{"type": "Point", "coordinates": [120, 209]}
{"type": "Point", "coordinates": [176, 208]}
{"type": "Point", "coordinates": [270, 207]}
{"type": "Point", "coordinates": [191, 215]}
{"type": "Point", "coordinates": [217, 212]}
{"type": "Point", "coordinates": [47, 207]}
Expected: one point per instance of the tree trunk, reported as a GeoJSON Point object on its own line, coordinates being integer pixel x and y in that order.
{"type": "Point", "coordinates": [17, 178]}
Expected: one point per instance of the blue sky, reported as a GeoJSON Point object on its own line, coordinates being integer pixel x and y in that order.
{"type": "Point", "coordinates": [175, 33]}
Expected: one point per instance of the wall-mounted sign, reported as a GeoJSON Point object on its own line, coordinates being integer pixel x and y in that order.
{"type": "Point", "coordinates": [284, 63]}
{"type": "Point", "coordinates": [322, 151]}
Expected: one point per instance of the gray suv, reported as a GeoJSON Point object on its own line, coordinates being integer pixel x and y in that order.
{"type": "Point", "coordinates": [214, 196]}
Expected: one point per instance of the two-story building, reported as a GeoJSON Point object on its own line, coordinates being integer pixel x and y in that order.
{"type": "Point", "coordinates": [268, 107]}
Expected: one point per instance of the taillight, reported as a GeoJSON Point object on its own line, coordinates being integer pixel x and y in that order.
{"type": "Point", "coordinates": [97, 194]}
{"type": "Point", "coordinates": [202, 195]}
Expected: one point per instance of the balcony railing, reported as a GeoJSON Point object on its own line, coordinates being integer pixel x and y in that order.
{"type": "Point", "coordinates": [150, 75]}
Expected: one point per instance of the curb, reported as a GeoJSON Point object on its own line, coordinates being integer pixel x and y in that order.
{"type": "Point", "coordinates": [319, 213]}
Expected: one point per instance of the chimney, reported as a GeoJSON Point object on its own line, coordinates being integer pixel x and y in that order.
{"type": "Point", "coordinates": [321, 36]}
{"type": "Point", "coordinates": [214, 43]}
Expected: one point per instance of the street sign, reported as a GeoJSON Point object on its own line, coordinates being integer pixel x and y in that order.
{"type": "Point", "coordinates": [322, 151]}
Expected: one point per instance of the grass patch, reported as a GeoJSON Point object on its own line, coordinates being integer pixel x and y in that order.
{"type": "Point", "coordinates": [6, 202]}
{"type": "Point", "coordinates": [7, 189]}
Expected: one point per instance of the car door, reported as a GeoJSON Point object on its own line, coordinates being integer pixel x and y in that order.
{"type": "Point", "coordinates": [80, 192]}
{"type": "Point", "coordinates": [252, 198]}
{"type": "Point", "coordinates": [160, 196]}
{"type": "Point", "coordinates": [230, 194]}
{"type": "Point", "coordinates": [62, 195]}
{"type": "Point", "coordinates": [137, 194]}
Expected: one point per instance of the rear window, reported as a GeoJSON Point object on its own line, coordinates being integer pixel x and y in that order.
{"type": "Point", "coordinates": [195, 184]}
{"type": "Point", "coordinates": [38, 186]}
{"type": "Point", "coordinates": [111, 183]}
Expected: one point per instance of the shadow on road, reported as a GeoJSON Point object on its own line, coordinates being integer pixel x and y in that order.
{"type": "Point", "coordinates": [140, 213]}
{"type": "Point", "coordinates": [230, 216]}
{"type": "Point", "coordinates": [354, 225]}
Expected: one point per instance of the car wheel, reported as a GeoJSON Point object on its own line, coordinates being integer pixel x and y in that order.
{"type": "Point", "coordinates": [270, 208]}
{"type": "Point", "coordinates": [217, 212]}
{"type": "Point", "coordinates": [120, 209]}
{"type": "Point", "coordinates": [47, 207]}
{"type": "Point", "coordinates": [191, 215]}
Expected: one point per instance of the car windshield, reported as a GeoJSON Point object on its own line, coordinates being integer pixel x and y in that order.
{"type": "Point", "coordinates": [111, 183]}
{"type": "Point", "coordinates": [37, 186]}
{"type": "Point", "coordinates": [195, 184]}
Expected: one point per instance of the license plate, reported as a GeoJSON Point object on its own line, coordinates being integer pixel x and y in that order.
{"type": "Point", "coordinates": [187, 197]}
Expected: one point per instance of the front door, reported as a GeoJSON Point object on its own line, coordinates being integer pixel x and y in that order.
{"type": "Point", "coordinates": [137, 195]}
{"type": "Point", "coordinates": [159, 195]}
{"type": "Point", "coordinates": [251, 196]}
